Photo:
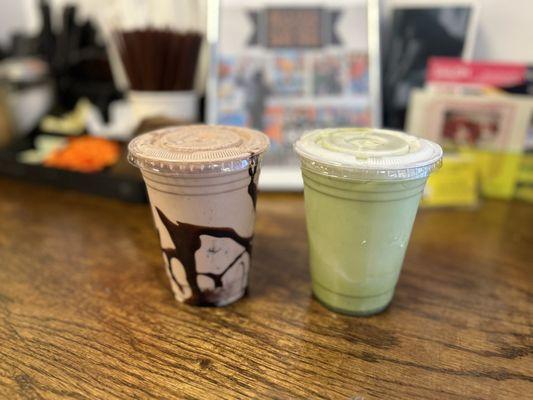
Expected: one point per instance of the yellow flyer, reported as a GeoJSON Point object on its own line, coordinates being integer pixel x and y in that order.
{"type": "Point", "coordinates": [524, 189]}
{"type": "Point", "coordinates": [498, 173]}
{"type": "Point", "coordinates": [454, 184]}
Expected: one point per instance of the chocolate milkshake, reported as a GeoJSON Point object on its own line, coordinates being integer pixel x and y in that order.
{"type": "Point", "coordinates": [202, 185]}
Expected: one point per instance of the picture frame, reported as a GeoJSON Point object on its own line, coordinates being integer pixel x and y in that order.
{"type": "Point", "coordinates": [418, 30]}
{"type": "Point", "coordinates": [473, 5]}
{"type": "Point", "coordinates": [456, 121]}
{"type": "Point", "coordinates": [285, 67]}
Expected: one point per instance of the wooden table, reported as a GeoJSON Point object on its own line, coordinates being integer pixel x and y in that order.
{"type": "Point", "coordinates": [86, 311]}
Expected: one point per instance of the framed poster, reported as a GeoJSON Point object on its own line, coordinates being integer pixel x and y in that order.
{"type": "Point", "coordinates": [285, 67]}
{"type": "Point", "coordinates": [420, 29]}
{"type": "Point", "coordinates": [459, 121]}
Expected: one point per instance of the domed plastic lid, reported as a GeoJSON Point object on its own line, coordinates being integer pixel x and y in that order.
{"type": "Point", "coordinates": [197, 148]}
{"type": "Point", "coordinates": [368, 154]}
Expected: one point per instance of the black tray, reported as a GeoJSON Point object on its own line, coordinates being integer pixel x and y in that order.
{"type": "Point", "coordinates": [122, 181]}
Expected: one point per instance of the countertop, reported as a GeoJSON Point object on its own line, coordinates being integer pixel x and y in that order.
{"type": "Point", "coordinates": [86, 310]}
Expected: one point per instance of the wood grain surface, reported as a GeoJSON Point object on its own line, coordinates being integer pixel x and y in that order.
{"type": "Point", "coordinates": [86, 311]}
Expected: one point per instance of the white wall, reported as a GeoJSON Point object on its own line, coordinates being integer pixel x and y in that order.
{"type": "Point", "coordinates": [14, 15]}
{"type": "Point", "coordinates": [505, 31]}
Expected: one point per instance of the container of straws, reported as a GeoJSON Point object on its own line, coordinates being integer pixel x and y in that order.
{"type": "Point", "coordinates": [161, 65]}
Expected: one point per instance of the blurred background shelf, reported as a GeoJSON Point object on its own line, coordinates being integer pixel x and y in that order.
{"type": "Point", "coordinates": [120, 181]}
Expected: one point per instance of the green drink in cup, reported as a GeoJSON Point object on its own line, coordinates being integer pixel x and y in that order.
{"type": "Point", "coordinates": [362, 187]}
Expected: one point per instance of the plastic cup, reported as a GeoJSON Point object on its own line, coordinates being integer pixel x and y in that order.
{"type": "Point", "coordinates": [179, 105]}
{"type": "Point", "coordinates": [362, 189]}
{"type": "Point", "coordinates": [202, 186]}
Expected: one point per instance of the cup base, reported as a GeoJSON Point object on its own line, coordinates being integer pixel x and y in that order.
{"type": "Point", "coordinates": [218, 303]}
{"type": "Point", "coordinates": [354, 306]}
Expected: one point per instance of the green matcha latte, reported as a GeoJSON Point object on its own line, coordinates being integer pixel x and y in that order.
{"type": "Point", "coordinates": [362, 189]}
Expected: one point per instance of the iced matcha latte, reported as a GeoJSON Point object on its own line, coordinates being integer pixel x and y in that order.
{"type": "Point", "coordinates": [362, 189]}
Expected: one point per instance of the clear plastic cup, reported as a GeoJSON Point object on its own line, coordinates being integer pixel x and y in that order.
{"type": "Point", "coordinates": [202, 185]}
{"type": "Point", "coordinates": [362, 188]}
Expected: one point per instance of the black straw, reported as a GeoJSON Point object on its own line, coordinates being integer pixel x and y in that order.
{"type": "Point", "coordinates": [159, 59]}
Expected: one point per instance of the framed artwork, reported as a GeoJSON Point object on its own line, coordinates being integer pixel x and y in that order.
{"type": "Point", "coordinates": [285, 67]}
{"type": "Point", "coordinates": [459, 121]}
{"type": "Point", "coordinates": [420, 29]}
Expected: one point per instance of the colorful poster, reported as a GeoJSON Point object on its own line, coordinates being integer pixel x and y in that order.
{"type": "Point", "coordinates": [287, 69]}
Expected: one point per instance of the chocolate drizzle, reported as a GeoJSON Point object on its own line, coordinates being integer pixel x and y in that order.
{"type": "Point", "coordinates": [186, 239]}
{"type": "Point", "coordinates": [252, 186]}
